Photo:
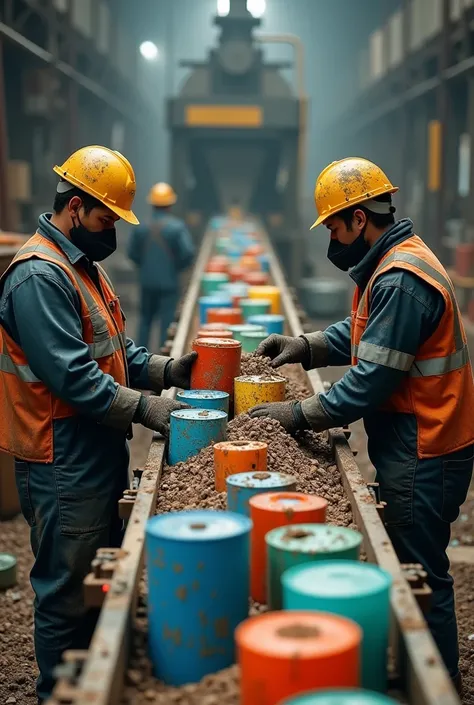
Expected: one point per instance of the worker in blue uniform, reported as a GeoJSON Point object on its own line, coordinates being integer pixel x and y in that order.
{"type": "Point", "coordinates": [70, 381]}
{"type": "Point", "coordinates": [161, 250]}
{"type": "Point", "coordinates": [410, 377]}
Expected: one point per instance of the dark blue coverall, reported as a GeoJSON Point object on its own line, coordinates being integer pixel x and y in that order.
{"type": "Point", "coordinates": [423, 495]}
{"type": "Point", "coordinates": [70, 504]}
{"type": "Point", "coordinates": [161, 250]}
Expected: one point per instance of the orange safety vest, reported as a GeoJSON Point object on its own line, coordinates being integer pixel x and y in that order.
{"type": "Point", "coordinates": [439, 388]}
{"type": "Point", "coordinates": [27, 407]}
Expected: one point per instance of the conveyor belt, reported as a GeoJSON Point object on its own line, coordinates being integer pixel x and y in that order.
{"type": "Point", "coordinates": [96, 676]}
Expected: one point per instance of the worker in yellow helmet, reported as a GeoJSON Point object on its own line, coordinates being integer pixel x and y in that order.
{"type": "Point", "coordinates": [410, 377]}
{"type": "Point", "coordinates": [69, 378]}
{"type": "Point", "coordinates": [161, 250]}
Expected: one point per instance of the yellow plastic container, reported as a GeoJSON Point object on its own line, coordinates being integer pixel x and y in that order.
{"type": "Point", "coordinates": [251, 390]}
{"type": "Point", "coordinates": [271, 293]}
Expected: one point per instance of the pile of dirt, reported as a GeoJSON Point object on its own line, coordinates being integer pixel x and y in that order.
{"type": "Point", "coordinates": [17, 659]}
{"type": "Point", "coordinates": [464, 587]}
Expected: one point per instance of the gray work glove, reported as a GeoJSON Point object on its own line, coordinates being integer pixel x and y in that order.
{"type": "Point", "coordinates": [178, 372]}
{"type": "Point", "coordinates": [288, 413]}
{"type": "Point", "coordinates": [154, 413]}
{"type": "Point", "coordinates": [283, 350]}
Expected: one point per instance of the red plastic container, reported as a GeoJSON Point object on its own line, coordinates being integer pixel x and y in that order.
{"type": "Point", "coordinates": [256, 278]}
{"type": "Point", "coordinates": [217, 364]}
{"type": "Point", "coordinates": [237, 274]}
{"type": "Point", "coordinates": [219, 263]}
{"type": "Point", "coordinates": [227, 316]}
{"type": "Point", "coordinates": [464, 260]}
{"type": "Point", "coordinates": [226, 334]}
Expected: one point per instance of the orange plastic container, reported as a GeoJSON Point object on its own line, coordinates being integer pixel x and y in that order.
{"type": "Point", "coordinates": [232, 457]}
{"type": "Point", "coordinates": [255, 250]}
{"type": "Point", "coordinates": [250, 263]}
{"type": "Point", "coordinates": [267, 512]}
{"type": "Point", "coordinates": [219, 263]}
{"type": "Point", "coordinates": [229, 316]}
{"type": "Point", "coordinates": [256, 278]}
{"type": "Point", "coordinates": [285, 653]}
{"type": "Point", "coordinates": [217, 364]}
{"type": "Point", "coordinates": [272, 293]}
{"type": "Point", "coordinates": [215, 334]}
{"type": "Point", "coordinates": [236, 273]}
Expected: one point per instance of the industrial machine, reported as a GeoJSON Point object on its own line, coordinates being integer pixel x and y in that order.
{"type": "Point", "coordinates": [237, 134]}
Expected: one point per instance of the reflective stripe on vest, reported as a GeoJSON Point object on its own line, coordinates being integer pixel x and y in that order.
{"type": "Point", "coordinates": [23, 372]}
{"type": "Point", "coordinates": [402, 361]}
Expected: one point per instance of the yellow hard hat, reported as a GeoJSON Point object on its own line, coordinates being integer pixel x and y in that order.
{"type": "Point", "coordinates": [346, 183]}
{"type": "Point", "coordinates": [104, 174]}
{"type": "Point", "coordinates": [162, 195]}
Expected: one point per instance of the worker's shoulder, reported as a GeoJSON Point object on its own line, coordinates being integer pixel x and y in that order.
{"type": "Point", "coordinates": [25, 270]}
{"type": "Point", "coordinates": [172, 223]}
{"type": "Point", "coordinates": [410, 283]}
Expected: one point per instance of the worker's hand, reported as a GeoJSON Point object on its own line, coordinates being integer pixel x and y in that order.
{"type": "Point", "coordinates": [178, 372]}
{"type": "Point", "coordinates": [282, 350]}
{"type": "Point", "coordinates": [288, 413]}
{"type": "Point", "coordinates": [154, 412]}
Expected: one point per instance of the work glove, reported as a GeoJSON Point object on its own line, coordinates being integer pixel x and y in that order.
{"type": "Point", "coordinates": [288, 413]}
{"type": "Point", "coordinates": [178, 372]}
{"type": "Point", "coordinates": [283, 350]}
{"type": "Point", "coordinates": [154, 413]}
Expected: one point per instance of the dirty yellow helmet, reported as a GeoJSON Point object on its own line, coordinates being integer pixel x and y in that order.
{"type": "Point", "coordinates": [346, 183]}
{"type": "Point", "coordinates": [104, 174]}
{"type": "Point", "coordinates": [162, 195]}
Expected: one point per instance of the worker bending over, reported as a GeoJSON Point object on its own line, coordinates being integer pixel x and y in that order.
{"type": "Point", "coordinates": [410, 377]}
{"type": "Point", "coordinates": [69, 376]}
{"type": "Point", "coordinates": [161, 250]}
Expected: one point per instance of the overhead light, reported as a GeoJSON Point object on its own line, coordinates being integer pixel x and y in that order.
{"type": "Point", "coordinates": [149, 51]}
{"type": "Point", "coordinates": [223, 7]}
{"type": "Point", "coordinates": [256, 7]}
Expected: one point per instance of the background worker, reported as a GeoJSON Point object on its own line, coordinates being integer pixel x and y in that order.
{"type": "Point", "coordinates": [161, 250]}
{"type": "Point", "coordinates": [66, 400]}
{"type": "Point", "coordinates": [410, 379]}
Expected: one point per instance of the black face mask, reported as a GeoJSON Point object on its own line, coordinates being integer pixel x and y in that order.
{"type": "Point", "coordinates": [346, 256]}
{"type": "Point", "coordinates": [96, 246]}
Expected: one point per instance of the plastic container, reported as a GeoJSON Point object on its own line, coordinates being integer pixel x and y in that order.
{"type": "Point", "coordinates": [205, 399]}
{"type": "Point", "coordinates": [217, 365]}
{"type": "Point", "coordinates": [340, 697]}
{"type": "Point", "coordinates": [251, 390]}
{"type": "Point", "coordinates": [305, 543]}
{"type": "Point", "coordinates": [284, 653]}
{"type": "Point", "coordinates": [236, 273]}
{"type": "Point", "coordinates": [210, 328]}
{"type": "Point", "coordinates": [252, 339]}
{"type": "Point", "coordinates": [254, 307]}
{"type": "Point", "coordinates": [225, 334]}
{"type": "Point", "coordinates": [226, 316]}
{"type": "Point", "coordinates": [198, 581]}
{"type": "Point", "coordinates": [234, 457]}
{"type": "Point", "coordinates": [359, 591]}
{"type": "Point", "coordinates": [218, 263]}
{"type": "Point", "coordinates": [242, 487]}
{"type": "Point", "coordinates": [269, 293]}
{"type": "Point", "coordinates": [233, 289]}
{"type": "Point", "coordinates": [256, 278]}
{"type": "Point", "coordinates": [194, 429]}
{"type": "Point", "coordinates": [214, 301]}
{"type": "Point", "coordinates": [239, 330]}
{"type": "Point", "coordinates": [264, 262]}
{"type": "Point", "coordinates": [272, 322]}
{"type": "Point", "coordinates": [269, 511]}
{"type": "Point", "coordinates": [250, 263]}
{"type": "Point", "coordinates": [212, 281]}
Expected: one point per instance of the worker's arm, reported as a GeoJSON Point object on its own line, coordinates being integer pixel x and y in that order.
{"type": "Point", "coordinates": [40, 311]}
{"type": "Point", "coordinates": [405, 311]}
{"type": "Point", "coordinates": [336, 339]}
{"type": "Point", "coordinates": [136, 244]}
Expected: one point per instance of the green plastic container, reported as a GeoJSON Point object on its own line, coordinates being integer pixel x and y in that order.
{"type": "Point", "coordinates": [222, 245]}
{"type": "Point", "coordinates": [292, 545]}
{"type": "Point", "coordinates": [252, 339]}
{"type": "Point", "coordinates": [255, 307]}
{"type": "Point", "coordinates": [240, 329]}
{"type": "Point", "coordinates": [7, 571]}
{"type": "Point", "coordinates": [211, 281]}
{"type": "Point", "coordinates": [340, 697]}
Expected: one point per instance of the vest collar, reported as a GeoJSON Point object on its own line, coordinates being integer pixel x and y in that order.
{"type": "Point", "coordinates": [52, 233]}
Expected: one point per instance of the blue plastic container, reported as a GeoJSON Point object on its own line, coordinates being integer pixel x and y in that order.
{"type": "Point", "coordinates": [205, 399]}
{"type": "Point", "coordinates": [214, 301]}
{"type": "Point", "coordinates": [193, 429]}
{"type": "Point", "coordinates": [340, 697]}
{"type": "Point", "coordinates": [234, 289]}
{"type": "Point", "coordinates": [198, 591]}
{"type": "Point", "coordinates": [245, 485]}
{"type": "Point", "coordinates": [359, 591]}
{"type": "Point", "coordinates": [273, 322]}
{"type": "Point", "coordinates": [264, 263]}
